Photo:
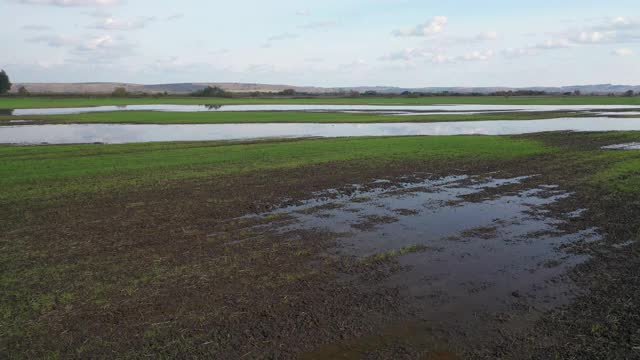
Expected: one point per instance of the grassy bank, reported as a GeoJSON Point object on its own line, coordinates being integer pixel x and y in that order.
{"type": "Point", "coordinates": [52, 171]}
{"type": "Point", "coordinates": [45, 102]}
{"type": "Point", "coordinates": [154, 117]}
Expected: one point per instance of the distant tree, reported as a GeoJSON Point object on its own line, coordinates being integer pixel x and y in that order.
{"type": "Point", "coordinates": [5, 84]}
{"type": "Point", "coordinates": [288, 92]}
{"type": "Point", "coordinates": [211, 91]}
{"type": "Point", "coordinates": [577, 93]}
{"type": "Point", "coordinates": [120, 92]}
{"type": "Point", "coordinates": [628, 93]}
{"type": "Point", "coordinates": [23, 91]}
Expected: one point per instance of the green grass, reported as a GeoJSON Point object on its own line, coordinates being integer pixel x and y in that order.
{"type": "Point", "coordinates": [623, 173]}
{"type": "Point", "coordinates": [38, 102]}
{"type": "Point", "coordinates": [41, 172]}
{"type": "Point", "coordinates": [154, 117]}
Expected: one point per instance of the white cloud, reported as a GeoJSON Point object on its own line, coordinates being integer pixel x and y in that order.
{"type": "Point", "coordinates": [102, 49]}
{"type": "Point", "coordinates": [406, 55]}
{"type": "Point", "coordinates": [619, 23]}
{"type": "Point", "coordinates": [314, 60]}
{"type": "Point", "coordinates": [36, 27]}
{"type": "Point", "coordinates": [111, 23]}
{"type": "Point", "coordinates": [431, 27]}
{"type": "Point", "coordinates": [318, 25]}
{"type": "Point", "coordinates": [591, 37]}
{"type": "Point", "coordinates": [96, 43]}
{"type": "Point", "coordinates": [488, 35]}
{"type": "Point", "coordinates": [283, 36]}
{"type": "Point", "coordinates": [438, 57]}
{"type": "Point", "coordinates": [52, 40]}
{"type": "Point", "coordinates": [476, 56]}
{"type": "Point", "coordinates": [69, 3]}
{"type": "Point", "coordinates": [358, 64]}
{"type": "Point", "coordinates": [519, 52]}
{"type": "Point", "coordinates": [623, 52]}
{"type": "Point", "coordinates": [174, 17]}
{"type": "Point", "coordinates": [303, 13]}
{"type": "Point", "coordinates": [553, 44]}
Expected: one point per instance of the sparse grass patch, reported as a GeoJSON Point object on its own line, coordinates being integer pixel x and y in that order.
{"type": "Point", "coordinates": [393, 254]}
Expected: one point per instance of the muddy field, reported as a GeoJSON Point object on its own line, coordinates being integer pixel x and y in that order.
{"type": "Point", "coordinates": [436, 259]}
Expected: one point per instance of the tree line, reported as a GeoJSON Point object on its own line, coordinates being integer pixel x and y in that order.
{"type": "Point", "coordinates": [217, 92]}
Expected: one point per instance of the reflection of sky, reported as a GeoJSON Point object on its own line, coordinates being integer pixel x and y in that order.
{"type": "Point", "coordinates": [628, 146]}
{"type": "Point", "coordinates": [471, 109]}
{"type": "Point", "coordinates": [120, 133]}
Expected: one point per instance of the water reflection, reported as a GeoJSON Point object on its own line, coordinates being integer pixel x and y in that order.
{"type": "Point", "coordinates": [121, 133]}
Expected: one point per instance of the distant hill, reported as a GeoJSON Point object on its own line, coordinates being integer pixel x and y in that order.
{"type": "Point", "coordinates": [185, 88]}
{"type": "Point", "coordinates": [179, 88]}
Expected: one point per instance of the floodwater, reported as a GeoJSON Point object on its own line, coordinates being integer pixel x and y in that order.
{"type": "Point", "coordinates": [388, 109]}
{"type": "Point", "coordinates": [626, 146]}
{"type": "Point", "coordinates": [467, 245]}
{"type": "Point", "coordinates": [122, 133]}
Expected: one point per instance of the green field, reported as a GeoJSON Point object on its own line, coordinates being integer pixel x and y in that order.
{"type": "Point", "coordinates": [42, 172]}
{"type": "Point", "coordinates": [156, 117]}
{"type": "Point", "coordinates": [44, 102]}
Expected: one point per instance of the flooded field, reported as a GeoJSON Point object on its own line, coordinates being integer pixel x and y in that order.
{"type": "Point", "coordinates": [122, 133]}
{"type": "Point", "coordinates": [470, 246]}
{"type": "Point", "coordinates": [470, 252]}
{"type": "Point", "coordinates": [384, 109]}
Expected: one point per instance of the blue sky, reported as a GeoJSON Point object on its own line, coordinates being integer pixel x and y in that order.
{"type": "Point", "coordinates": [325, 43]}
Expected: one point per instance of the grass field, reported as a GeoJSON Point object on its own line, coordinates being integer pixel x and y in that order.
{"type": "Point", "coordinates": [53, 171]}
{"type": "Point", "coordinates": [155, 117]}
{"type": "Point", "coordinates": [44, 102]}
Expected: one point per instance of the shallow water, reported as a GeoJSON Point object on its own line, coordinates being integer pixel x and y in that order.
{"type": "Point", "coordinates": [469, 257]}
{"type": "Point", "coordinates": [468, 109]}
{"type": "Point", "coordinates": [122, 133]}
{"type": "Point", "coordinates": [627, 146]}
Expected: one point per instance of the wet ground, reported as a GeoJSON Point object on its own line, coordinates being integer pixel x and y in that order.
{"type": "Point", "coordinates": [428, 259]}
{"type": "Point", "coordinates": [123, 133]}
{"type": "Point", "coordinates": [475, 255]}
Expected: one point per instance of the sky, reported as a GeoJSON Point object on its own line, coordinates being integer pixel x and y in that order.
{"type": "Point", "coordinates": [406, 43]}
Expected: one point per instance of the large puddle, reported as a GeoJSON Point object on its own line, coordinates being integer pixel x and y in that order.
{"type": "Point", "coordinates": [467, 246]}
{"type": "Point", "coordinates": [385, 109]}
{"type": "Point", "coordinates": [121, 133]}
{"type": "Point", "coordinates": [626, 146]}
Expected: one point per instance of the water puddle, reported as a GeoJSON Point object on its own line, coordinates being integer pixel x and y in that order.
{"type": "Point", "coordinates": [467, 245]}
{"type": "Point", "coordinates": [403, 109]}
{"type": "Point", "coordinates": [619, 113]}
{"type": "Point", "coordinates": [627, 146]}
{"type": "Point", "coordinates": [123, 133]}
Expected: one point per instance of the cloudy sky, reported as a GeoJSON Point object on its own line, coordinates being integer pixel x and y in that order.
{"type": "Point", "coordinates": [325, 43]}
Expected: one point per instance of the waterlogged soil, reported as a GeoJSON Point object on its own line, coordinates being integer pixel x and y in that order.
{"type": "Point", "coordinates": [470, 256]}
{"type": "Point", "coordinates": [432, 259]}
